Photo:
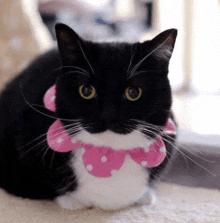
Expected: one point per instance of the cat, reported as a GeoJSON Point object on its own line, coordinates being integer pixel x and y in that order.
{"type": "Point", "coordinates": [105, 95]}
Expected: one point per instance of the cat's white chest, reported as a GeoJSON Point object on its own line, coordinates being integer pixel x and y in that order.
{"type": "Point", "coordinates": [123, 188]}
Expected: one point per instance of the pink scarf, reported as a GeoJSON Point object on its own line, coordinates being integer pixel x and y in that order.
{"type": "Point", "coordinates": [101, 161]}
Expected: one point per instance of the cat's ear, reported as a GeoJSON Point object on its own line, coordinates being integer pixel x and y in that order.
{"type": "Point", "coordinates": [163, 44]}
{"type": "Point", "coordinates": [161, 47]}
{"type": "Point", "coordinates": [69, 44]}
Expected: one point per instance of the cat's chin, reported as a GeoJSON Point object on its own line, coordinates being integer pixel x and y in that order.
{"type": "Point", "coordinates": [114, 140]}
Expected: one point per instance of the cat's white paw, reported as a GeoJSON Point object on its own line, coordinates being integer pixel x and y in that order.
{"type": "Point", "coordinates": [69, 203]}
{"type": "Point", "coordinates": [149, 198]}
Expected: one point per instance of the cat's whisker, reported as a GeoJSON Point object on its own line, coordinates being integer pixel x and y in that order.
{"type": "Point", "coordinates": [44, 154]}
{"type": "Point", "coordinates": [77, 126]}
{"type": "Point", "coordinates": [140, 72]}
{"type": "Point", "coordinates": [68, 182]}
{"type": "Point", "coordinates": [165, 136]}
{"type": "Point", "coordinates": [42, 150]}
{"type": "Point", "coordinates": [53, 140]}
{"type": "Point", "coordinates": [32, 141]}
{"type": "Point", "coordinates": [148, 124]}
{"type": "Point", "coordinates": [83, 70]}
{"type": "Point", "coordinates": [66, 68]}
{"type": "Point", "coordinates": [190, 150]}
{"type": "Point", "coordinates": [144, 58]}
{"type": "Point", "coordinates": [172, 144]}
{"type": "Point", "coordinates": [61, 127]}
{"type": "Point", "coordinates": [33, 147]}
{"type": "Point", "coordinates": [54, 135]}
{"type": "Point", "coordinates": [134, 74]}
{"type": "Point", "coordinates": [72, 129]}
{"type": "Point", "coordinates": [77, 72]}
{"type": "Point", "coordinates": [186, 156]}
{"type": "Point", "coordinates": [190, 158]}
{"type": "Point", "coordinates": [85, 57]}
{"type": "Point", "coordinates": [132, 57]}
{"type": "Point", "coordinates": [50, 116]}
{"type": "Point", "coordinates": [42, 113]}
{"type": "Point", "coordinates": [52, 157]}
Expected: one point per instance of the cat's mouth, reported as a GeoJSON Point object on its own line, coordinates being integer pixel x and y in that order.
{"type": "Point", "coordinates": [115, 127]}
{"type": "Point", "coordinates": [119, 129]}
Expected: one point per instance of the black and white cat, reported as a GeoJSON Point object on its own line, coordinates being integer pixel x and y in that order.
{"type": "Point", "coordinates": [107, 94]}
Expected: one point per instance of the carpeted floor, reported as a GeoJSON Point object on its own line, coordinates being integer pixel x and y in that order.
{"type": "Point", "coordinates": [175, 204]}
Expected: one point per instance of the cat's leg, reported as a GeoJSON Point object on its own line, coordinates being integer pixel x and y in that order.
{"type": "Point", "coordinates": [68, 201]}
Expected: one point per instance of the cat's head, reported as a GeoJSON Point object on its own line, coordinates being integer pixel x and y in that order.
{"type": "Point", "coordinates": [118, 87]}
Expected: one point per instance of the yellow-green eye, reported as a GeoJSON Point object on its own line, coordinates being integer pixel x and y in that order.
{"type": "Point", "coordinates": [133, 93]}
{"type": "Point", "coordinates": [87, 91]}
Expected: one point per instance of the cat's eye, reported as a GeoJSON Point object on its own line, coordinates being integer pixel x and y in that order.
{"type": "Point", "coordinates": [87, 91]}
{"type": "Point", "coordinates": [133, 93]}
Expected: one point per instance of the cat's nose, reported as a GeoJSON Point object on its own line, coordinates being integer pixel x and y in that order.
{"type": "Point", "coordinates": [109, 112]}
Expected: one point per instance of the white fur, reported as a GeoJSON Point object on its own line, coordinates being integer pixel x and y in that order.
{"type": "Point", "coordinates": [114, 140]}
{"type": "Point", "coordinates": [68, 202]}
{"type": "Point", "coordinates": [125, 187]}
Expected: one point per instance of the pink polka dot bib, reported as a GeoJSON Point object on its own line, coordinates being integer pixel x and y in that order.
{"type": "Point", "coordinates": [102, 161]}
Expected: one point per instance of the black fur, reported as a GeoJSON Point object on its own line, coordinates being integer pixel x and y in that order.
{"type": "Point", "coordinates": [28, 168]}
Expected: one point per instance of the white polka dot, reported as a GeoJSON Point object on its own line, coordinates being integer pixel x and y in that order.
{"type": "Point", "coordinates": [104, 159]}
{"type": "Point", "coordinates": [89, 167]}
{"type": "Point", "coordinates": [146, 150]}
{"type": "Point", "coordinates": [59, 140]}
{"type": "Point", "coordinates": [144, 163]}
{"type": "Point", "coordinates": [162, 149]}
{"type": "Point", "coordinates": [113, 172]}
{"type": "Point", "coordinates": [52, 98]}
{"type": "Point", "coordinates": [73, 140]}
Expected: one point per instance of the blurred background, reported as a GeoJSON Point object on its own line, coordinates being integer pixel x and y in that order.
{"type": "Point", "coordinates": [27, 29]}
